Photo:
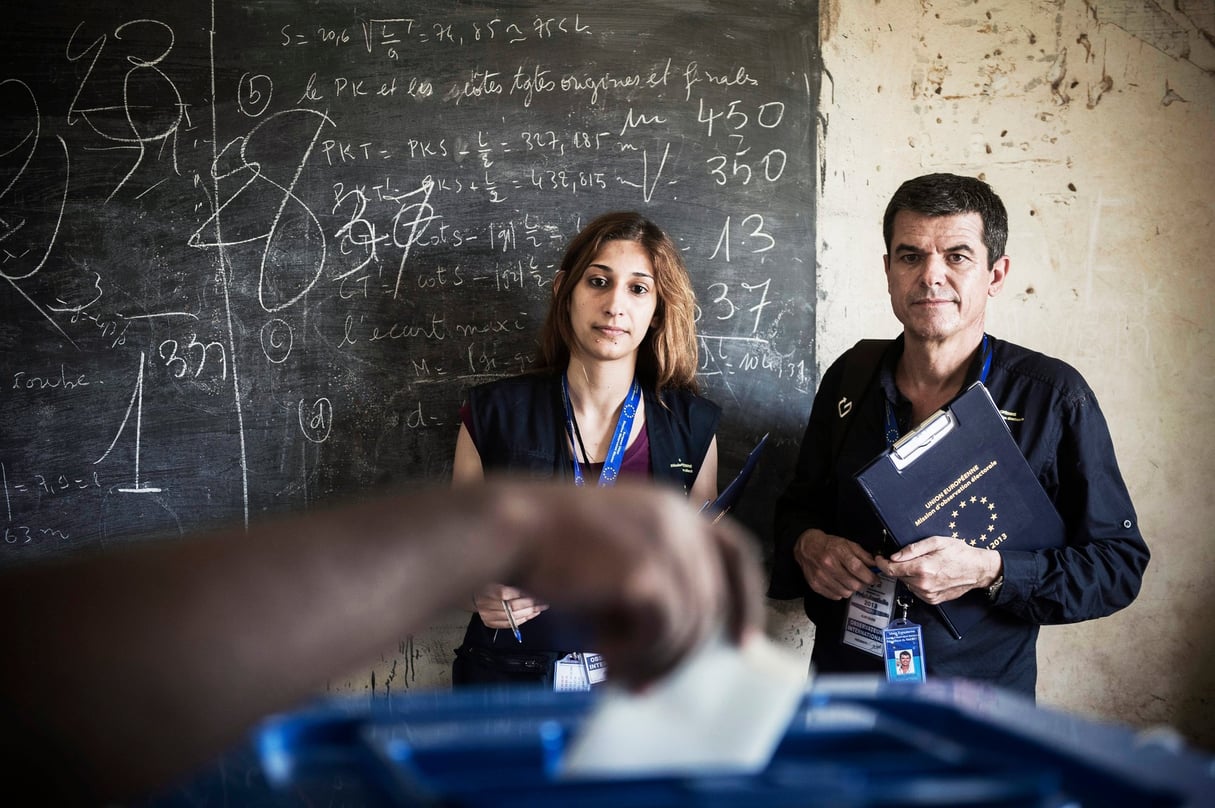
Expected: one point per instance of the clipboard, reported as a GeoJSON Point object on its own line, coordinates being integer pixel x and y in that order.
{"type": "Point", "coordinates": [961, 474]}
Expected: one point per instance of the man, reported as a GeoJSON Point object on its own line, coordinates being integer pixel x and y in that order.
{"type": "Point", "coordinates": [945, 238]}
{"type": "Point", "coordinates": [904, 667]}
{"type": "Point", "coordinates": [125, 669]}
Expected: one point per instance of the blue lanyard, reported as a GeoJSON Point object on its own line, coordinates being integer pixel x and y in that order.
{"type": "Point", "coordinates": [892, 423]}
{"type": "Point", "coordinates": [620, 438]}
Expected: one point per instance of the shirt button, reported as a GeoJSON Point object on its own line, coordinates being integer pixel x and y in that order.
{"type": "Point", "coordinates": [1126, 523]}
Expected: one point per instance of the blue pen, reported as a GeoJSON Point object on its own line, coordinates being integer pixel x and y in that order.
{"type": "Point", "coordinates": [511, 617]}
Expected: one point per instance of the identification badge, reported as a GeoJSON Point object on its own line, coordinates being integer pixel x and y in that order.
{"type": "Point", "coordinates": [579, 671]}
{"type": "Point", "coordinates": [569, 673]}
{"type": "Point", "coordinates": [596, 667]}
{"type": "Point", "coordinates": [904, 648]}
{"type": "Point", "coordinates": [869, 612]}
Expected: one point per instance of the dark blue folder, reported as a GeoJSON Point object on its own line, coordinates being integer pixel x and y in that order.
{"type": "Point", "coordinates": [729, 496]}
{"type": "Point", "coordinates": [961, 474]}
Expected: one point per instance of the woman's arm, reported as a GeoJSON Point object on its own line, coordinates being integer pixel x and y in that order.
{"type": "Point", "coordinates": [466, 466]}
{"type": "Point", "coordinates": [490, 600]}
{"type": "Point", "coordinates": [705, 488]}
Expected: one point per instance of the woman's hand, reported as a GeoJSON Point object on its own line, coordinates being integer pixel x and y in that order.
{"type": "Point", "coordinates": [493, 599]}
{"type": "Point", "coordinates": [654, 577]}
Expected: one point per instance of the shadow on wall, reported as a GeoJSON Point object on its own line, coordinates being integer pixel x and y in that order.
{"type": "Point", "coordinates": [1197, 692]}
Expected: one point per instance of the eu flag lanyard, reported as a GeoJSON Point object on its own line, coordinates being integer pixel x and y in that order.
{"type": "Point", "coordinates": [902, 638]}
{"type": "Point", "coordinates": [620, 438]}
{"type": "Point", "coordinates": [892, 429]}
{"type": "Point", "coordinates": [892, 423]}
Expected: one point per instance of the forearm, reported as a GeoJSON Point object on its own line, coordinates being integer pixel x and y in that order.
{"type": "Point", "coordinates": [1101, 568]}
{"type": "Point", "coordinates": [801, 506]}
{"type": "Point", "coordinates": [164, 655]}
{"type": "Point", "coordinates": [793, 519]}
{"type": "Point", "coordinates": [1072, 584]}
{"type": "Point", "coordinates": [129, 667]}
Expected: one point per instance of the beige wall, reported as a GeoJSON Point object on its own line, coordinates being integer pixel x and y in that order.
{"type": "Point", "coordinates": [1094, 121]}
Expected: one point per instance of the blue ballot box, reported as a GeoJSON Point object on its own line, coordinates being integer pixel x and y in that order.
{"type": "Point", "coordinates": [853, 741]}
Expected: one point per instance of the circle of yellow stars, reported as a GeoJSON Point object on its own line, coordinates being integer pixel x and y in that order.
{"type": "Point", "coordinates": [978, 503]}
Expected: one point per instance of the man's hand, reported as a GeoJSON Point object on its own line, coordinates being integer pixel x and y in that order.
{"type": "Point", "coordinates": [940, 569]}
{"type": "Point", "coordinates": [835, 567]}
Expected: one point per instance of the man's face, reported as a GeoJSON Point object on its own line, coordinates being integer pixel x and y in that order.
{"type": "Point", "coordinates": [938, 277]}
{"type": "Point", "coordinates": [904, 662]}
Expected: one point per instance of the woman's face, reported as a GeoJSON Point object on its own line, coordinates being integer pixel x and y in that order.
{"type": "Point", "coordinates": [613, 305]}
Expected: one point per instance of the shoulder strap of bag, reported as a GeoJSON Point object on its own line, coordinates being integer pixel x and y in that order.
{"type": "Point", "coordinates": [860, 367]}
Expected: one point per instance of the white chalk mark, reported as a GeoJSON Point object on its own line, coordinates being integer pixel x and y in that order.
{"type": "Point", "coordinates": [12, 279]}
{"type": "Point", "coordinates": [136, 405]}
{"type": "Point", "coordinates": [149, 189]}
{"type": "Point", "coordinates": [223, 279]}
{"type": "Point", "coordinates": [189, 314]}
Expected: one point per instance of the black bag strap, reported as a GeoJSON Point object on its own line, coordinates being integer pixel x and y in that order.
{"type": "Point", "coordinates": [860, 369]}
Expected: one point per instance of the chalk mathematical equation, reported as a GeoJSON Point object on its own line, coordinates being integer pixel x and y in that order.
{"type": "Point", "coordinates": [253, 259]}
{"type": "Point", "coordinates": [389, 35]}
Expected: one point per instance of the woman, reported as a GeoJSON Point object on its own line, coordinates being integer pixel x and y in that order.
{"type": "Point", "coordinates": [614, 394]}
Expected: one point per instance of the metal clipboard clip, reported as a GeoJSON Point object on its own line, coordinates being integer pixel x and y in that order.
{"type": "Point", "coordinates": [912, 446]}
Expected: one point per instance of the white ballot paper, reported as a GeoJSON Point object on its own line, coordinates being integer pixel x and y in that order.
{"type": "Point", "coordinates": [724, 710]}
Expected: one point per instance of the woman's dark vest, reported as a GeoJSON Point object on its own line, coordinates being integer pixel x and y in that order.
{"type": "Point", "coordinates": [519, 427]}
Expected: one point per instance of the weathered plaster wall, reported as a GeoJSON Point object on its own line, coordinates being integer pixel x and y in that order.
{"type": "Point", "coordinates": [1096, 123]}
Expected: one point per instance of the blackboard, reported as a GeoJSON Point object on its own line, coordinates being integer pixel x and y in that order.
{"type": "Point", "coordinates": [253, 253]}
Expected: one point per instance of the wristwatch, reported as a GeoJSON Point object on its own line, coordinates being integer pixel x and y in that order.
{"type": "Point", "coordinates": [994, 589]}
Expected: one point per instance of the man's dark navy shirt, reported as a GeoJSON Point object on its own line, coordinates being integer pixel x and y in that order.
{"type": "Point", "coordinates": [1055, 419]}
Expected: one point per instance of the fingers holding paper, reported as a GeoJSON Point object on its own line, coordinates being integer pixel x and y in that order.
{"type": "Point", "coordinates": [654, 577]}
{"type": "Point", "coordinates": [939, 569]}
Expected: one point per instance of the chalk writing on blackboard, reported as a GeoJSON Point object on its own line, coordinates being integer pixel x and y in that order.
{"type": "Point", "coordinates": [253, 254]}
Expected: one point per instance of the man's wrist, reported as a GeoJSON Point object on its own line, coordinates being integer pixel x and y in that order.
{"type": "Point", "coordinates": [996, 582]}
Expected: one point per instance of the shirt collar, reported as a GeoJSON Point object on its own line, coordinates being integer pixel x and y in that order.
{"type": "Point", "coordinates": [890, 361]}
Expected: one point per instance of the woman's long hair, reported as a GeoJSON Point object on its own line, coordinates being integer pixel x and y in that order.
{"type": "Point", "coordinates": [666, 357]}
